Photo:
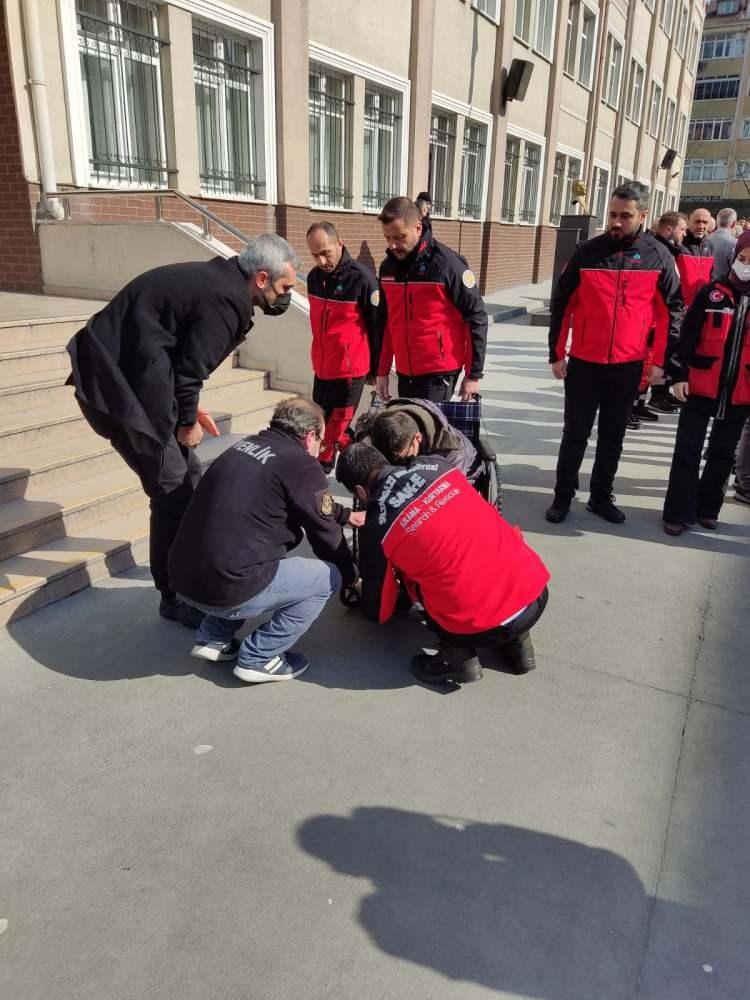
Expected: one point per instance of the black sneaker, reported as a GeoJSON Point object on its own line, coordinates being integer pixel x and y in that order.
{"type": "Point", "coordinates": [664, 404]}
{"type": "Point", "coordinates": [557, 513]}
{"type": "Point", "coordinates": [175, 610]}
{"type": "Point", "coordinates": [643, 412]}
{"type": "Point", "coordinates": [634, 423]}
{"type": "Point", "coordinates": [431, 668]}
{"type": "Point", "coordinates": [519, 654]}
{"type": "Point", "coordinates": [606, 509]}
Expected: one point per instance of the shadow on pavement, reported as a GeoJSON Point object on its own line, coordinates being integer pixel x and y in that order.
{"type": "Point", "coordinates": [505, 907]}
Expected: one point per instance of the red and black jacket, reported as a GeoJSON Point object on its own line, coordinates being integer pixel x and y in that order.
{"type": "Point", "coordinates": [435, 320]}
{"type": "Point", "coordinates": [695, 264]}
{"type": "Point", "coordinates": [607, 297]}
{"type": "Point", "coordinates": [713, 351]}
{"type": "Point", "coordinates": [424, 525]}
{"type": "Point", "coordinates": [344, 319]}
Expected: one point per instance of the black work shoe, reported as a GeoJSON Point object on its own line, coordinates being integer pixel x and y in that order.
{"type": "Point", "coordinates": [175, 610]}
{"type": "Point", "coordinates": [557, 513]}
{"type": "Point", "coordinates": [519, 654]}
{"type": "Point", "coordinates": [634, 423]}
{"type": "Point", "coordinates": [606, 509]}
{"type": "Point", "coordinates": [431, 668]}
{"type": "Point", "coordinates": [673, 528]}
{"type": "Point", "coordinates": [327, 467]}
{"type": "Point", "coordinates": [663, 404]}
{"type": "Point", "coordinates": [711, 523]}
{"type": "Point", "coordinates": [643, 412]}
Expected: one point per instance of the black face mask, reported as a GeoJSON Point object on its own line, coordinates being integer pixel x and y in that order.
{"type": "Point", "coordinates": [279, 307]}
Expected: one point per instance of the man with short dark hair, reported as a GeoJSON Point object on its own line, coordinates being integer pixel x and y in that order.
{"type": "Point", "coordinates": [405, 428]}
{"type": "Point", "coordinates": [344, 297]}
{"type": "Point", "coordinates": [249, 510]}
{"type": "Point", "coordinates": [422, 520]}
{"type": "Point", "coordinates": [424, 204]}
{"type": "Point", "coordinates": [605, 299]}
{"type": "Point", "coordinates": [435, 320]}
{"type": "Point", "coordinates": [139, 367]}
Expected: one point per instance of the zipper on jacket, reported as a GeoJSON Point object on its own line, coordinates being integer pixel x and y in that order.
{"type": "Point", "coordinates": [734, 357]}
{"type": "Point", "coordinates": [614, 311]}
{"type": "Point", "coordinates": [408, 315]}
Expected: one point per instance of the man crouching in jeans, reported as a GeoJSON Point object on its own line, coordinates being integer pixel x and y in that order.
{"type": "Point", "coordinates": [426, 527]}
{"type": "Point", "coordinates": [248, 511]}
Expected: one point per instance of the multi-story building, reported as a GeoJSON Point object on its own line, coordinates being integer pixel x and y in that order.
{"type": "Point", "coordinates": [717, 160]}
{"type": "Point", "coordinates": [275, 113]}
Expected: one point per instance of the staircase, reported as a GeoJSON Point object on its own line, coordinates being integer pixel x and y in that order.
{"type": "Point", "coordinates": [71, 512]}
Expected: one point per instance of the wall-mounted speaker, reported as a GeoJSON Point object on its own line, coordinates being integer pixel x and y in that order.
{"type": "Point", "coordinates": [669, 157]}
{"type": "Point", "coordinates": [517, 80]}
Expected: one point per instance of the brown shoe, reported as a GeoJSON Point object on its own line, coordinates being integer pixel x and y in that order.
{"type": "Point", "coordinates": [708, 522]}
{"type": "Point", "coordinates": [672, 528]}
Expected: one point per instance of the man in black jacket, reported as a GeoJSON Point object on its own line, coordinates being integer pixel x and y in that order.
{"type": "Point", "coordinates": [249, 510]}
{"type": "Point", "coordinates": [139, 366]}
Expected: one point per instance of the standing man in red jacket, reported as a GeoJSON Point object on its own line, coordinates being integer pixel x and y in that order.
{"type": "Point", "coordinates": [435, 320]}
{"type": "Point", "coordinates": [607, 296]}
{"type": "Point", "coordinates": [696, 261]}
{"type": "Point", "coordinates": [344, 299]}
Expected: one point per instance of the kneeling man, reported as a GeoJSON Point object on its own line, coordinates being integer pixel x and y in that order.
{"type": "Point", "coordinates": [423, 525]}
{"type": "Point", "coordinates": [248, 511]}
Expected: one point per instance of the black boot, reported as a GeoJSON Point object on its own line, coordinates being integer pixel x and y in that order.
{"type": "Point", "coordinates": [606, 509]}
{"type": "Point", "coordinates": [643, 412]}
{"type": "Point", "coordinates": [558, 510]}
{"type": "Point", "coordinates": [448, 664]}
{"type": "Point", "coordinates": [662, 400]}
{"type": "Point", "coordinates": [175, 610]}
{"type": "Point", "coordinates": [519, 654]}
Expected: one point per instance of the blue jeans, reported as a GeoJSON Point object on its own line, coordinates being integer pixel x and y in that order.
{"type": "Point", "coordinates": [296, 595]}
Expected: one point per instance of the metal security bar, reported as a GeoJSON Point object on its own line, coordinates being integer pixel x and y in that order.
{"type": "Point", "coordinates": [382, 144]}
{"type": "Point", "coordinates": [510, 179]}
{"type": "Point", "coordinates": [228, 96]}
{"type": "Point", "coordinates": [120, 53]}
{"type": "Point", "coordinates": [330, 109]}
{"type": "Point", "coordinates": [532, 159]}
{"type": "Point", "coordinates": [558, 183]}
{"type": "Point", "coordinates": [442, 147]}
{"type": "Point", "coordinates": [472, 171]}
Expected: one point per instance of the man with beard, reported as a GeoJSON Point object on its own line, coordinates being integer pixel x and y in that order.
{"type": "Point", "coordinates": [606, 297]}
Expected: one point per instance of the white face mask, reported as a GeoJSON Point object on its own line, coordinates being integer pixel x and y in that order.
{"type": "Point", "coordinates": [741, 270]}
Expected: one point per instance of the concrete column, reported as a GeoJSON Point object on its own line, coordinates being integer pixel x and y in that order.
{"type": "Point", "coordinates": [503, 55]}
{"type": "Point", "coordinates": [458, 153]}
{"type": "Point", "coordinates": [553, 109]}
{"type": "Point", "coordinates": [595, 99]}
{"type": "Point", "coordinates": [625, 83]}
{"type": "Point", "coordinates": [291, 20]}
{"type": "Point", "coordinates": [358, 142]}
{"type": "Point", "coordinates": [420, 75]}
{"type": "Point", "coordinates": [646, 114]}
{"type": "Point", "coordinates": [181, 126]}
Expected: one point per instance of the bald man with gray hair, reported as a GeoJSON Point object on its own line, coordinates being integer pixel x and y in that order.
{"type": "Point", "coordinates": [722, 242]}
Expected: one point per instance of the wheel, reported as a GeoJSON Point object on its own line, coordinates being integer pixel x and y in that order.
{"type": "Point", "coordinates": [494, 486]}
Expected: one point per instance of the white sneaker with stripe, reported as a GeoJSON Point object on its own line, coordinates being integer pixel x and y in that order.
{"type": "Point", "coordinates": [285, 667]}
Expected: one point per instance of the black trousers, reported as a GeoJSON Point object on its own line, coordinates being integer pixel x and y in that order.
{"type": "Point", "coordinates": [338, 398]}
{"type": "Point", "coordinates": [610, 390]}
{"type": "Point", "coordinates": [496, 636]}
{"type": "Point", "coordinates": [689, 494]}
{"type": "Point", "coordinates": [437, 387]}
{"type": "Point", "coordinates": [168, 496]}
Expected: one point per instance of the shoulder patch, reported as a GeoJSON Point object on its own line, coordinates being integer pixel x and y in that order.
{"type": "Point", "coordinates": [375, 298]}
{"type": "Point", "coordinates": [468, 278]}
{"type": "Point", "coordinates": [324, 502]}
{"type": "Point", "coordinates": [716, 295]}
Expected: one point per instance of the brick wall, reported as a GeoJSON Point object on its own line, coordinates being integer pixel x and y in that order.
{"type": "Point", "coordinates": [20, 257]}
{"type": "Point", "coordinates": [516, 255]}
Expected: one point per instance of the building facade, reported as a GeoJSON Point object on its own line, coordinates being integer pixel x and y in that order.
{"type": "Point", "coordinates": [277, 113]}
{"type": "Point", "coordinates": [717, 160]}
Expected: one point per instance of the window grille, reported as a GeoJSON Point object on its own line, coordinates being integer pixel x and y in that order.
{"type": "Point", "coordinates": [472, 170]}
{"type": "Point", "coordinates": [330, 111]}
{"type": "Point", "coordinates": [510, 178]}
{"type": "Point", "coordinates": [442, 147]}
{"type": "Point", "coordinates": [532, 160]}
{"type": "Point", "coordinates": [120, 53]}
{"type": "Point", "coordinates": [382, 145]}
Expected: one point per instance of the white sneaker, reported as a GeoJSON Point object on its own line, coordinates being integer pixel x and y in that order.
{"type": "Point", "coordinates": [281, 668]}
{"type": "Point", "coordinates": [216, 651]}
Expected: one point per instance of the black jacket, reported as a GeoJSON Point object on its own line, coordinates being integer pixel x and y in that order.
{"type": "Point", "coordinates": [249, 510]}
{"type": "Point", "coordinates": [139, 364]}
{"type": "Point", "coordinates": [695, 247]}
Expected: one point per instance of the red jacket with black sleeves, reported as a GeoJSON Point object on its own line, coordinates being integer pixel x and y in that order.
{"type": "Point", "coordinates": [713, 352]}
{"type": "Point", "coordinates": [435, 320]}
{"type": "Point", "coordinates": [424, 523]}
{"type": "Point", "coordinates": [607, 298]}
{"type": "Point", "coordinates": [695, 264]}
{"type": "Point", "coordinates": [344, 319]}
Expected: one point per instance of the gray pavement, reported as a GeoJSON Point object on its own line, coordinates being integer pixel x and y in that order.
{"type": "Point", "coordinates": [576, 834]}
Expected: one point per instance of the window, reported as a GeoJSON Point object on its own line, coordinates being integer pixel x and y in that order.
{"type": "Point", "coordinates": [580, 42]}
{"type": "Point", "coordinates": [669, 119]}
{"type": "Point", "coordinates": [120, 53]}
{"type": "Point", "coordinates": [710, 129]}
{"type": "Point", "coordinates": [681, 134]}
{"type": "Point", "coordinates": [623, 179]}
{"type": "Point", "coordinates": [228, 103]}
{"type": "Point", "coordinates": [658, 207]}
{"type": "Point", "coordinates": [601, 194]}
{"type": "Point", "coordinates": [442, 147]}
{"type": "Point", "coordinates": [745, 129]}
{"type": "Point", "coordinates": [488, 7]}
{"type": "Point", "coordinates": [667, 15]}
{"type": "Point", "coordinates": [654, 119]}
{"type": "Point", "coordinates": [330, 110]}
{"type": "Point", "coordinates": [532, 162]}
{"type": "Point", "coordinates": [510, 179]}
{"type": "Point", "coordinates": [728, 7]}
{"type": "Point", "coordinates": [588, 45]}
{"type": "Point", "coordinates": [522, 23]}
{"type": "Point", "coordinates": [717, 88]}
{"type": "Point", "coordinates": [574, 10]}
{"type": "Point", "coordinates": [545, 20]}
{"type": "Point", "coordinates": [682, 26]}
{"type": "Point", "coordinates": [649, 5]}
{"type": "Point", "coordinates": [613, 72]}
{"type": "Point", "coordinates": [692, 56]}
{"type": "Point", "coordinates": [704, 170]}
{"type": "Point", "coordinates": [742, 170]}
{"type": "Point", "coordinates": [472, 170]}
{"type": "Point", "coordinates": [382, 147]}
{"type": "Point", "coordinates": [635, 95]}
{"type": "Point", "coordinates": [567, 171]}
{"type": "Point", "coordinates": [727, 45]}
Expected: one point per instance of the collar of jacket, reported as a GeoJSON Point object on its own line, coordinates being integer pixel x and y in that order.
{"type": "Point", "coordinates": [344, 261]}
{"type": "Point", "coordinates": [699, 245]}
{"type": "Point", "coordinates": [674, 248]}
{"type": "Point", "coordinates": [423, 247]}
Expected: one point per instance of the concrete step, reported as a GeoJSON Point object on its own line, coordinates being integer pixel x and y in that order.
{"type": "Point", "coordinates": [34, 359]}
{"type": "Point", "coordinates": [38, 426]}
{"type": "Point", "coordinates": [27, 334]}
